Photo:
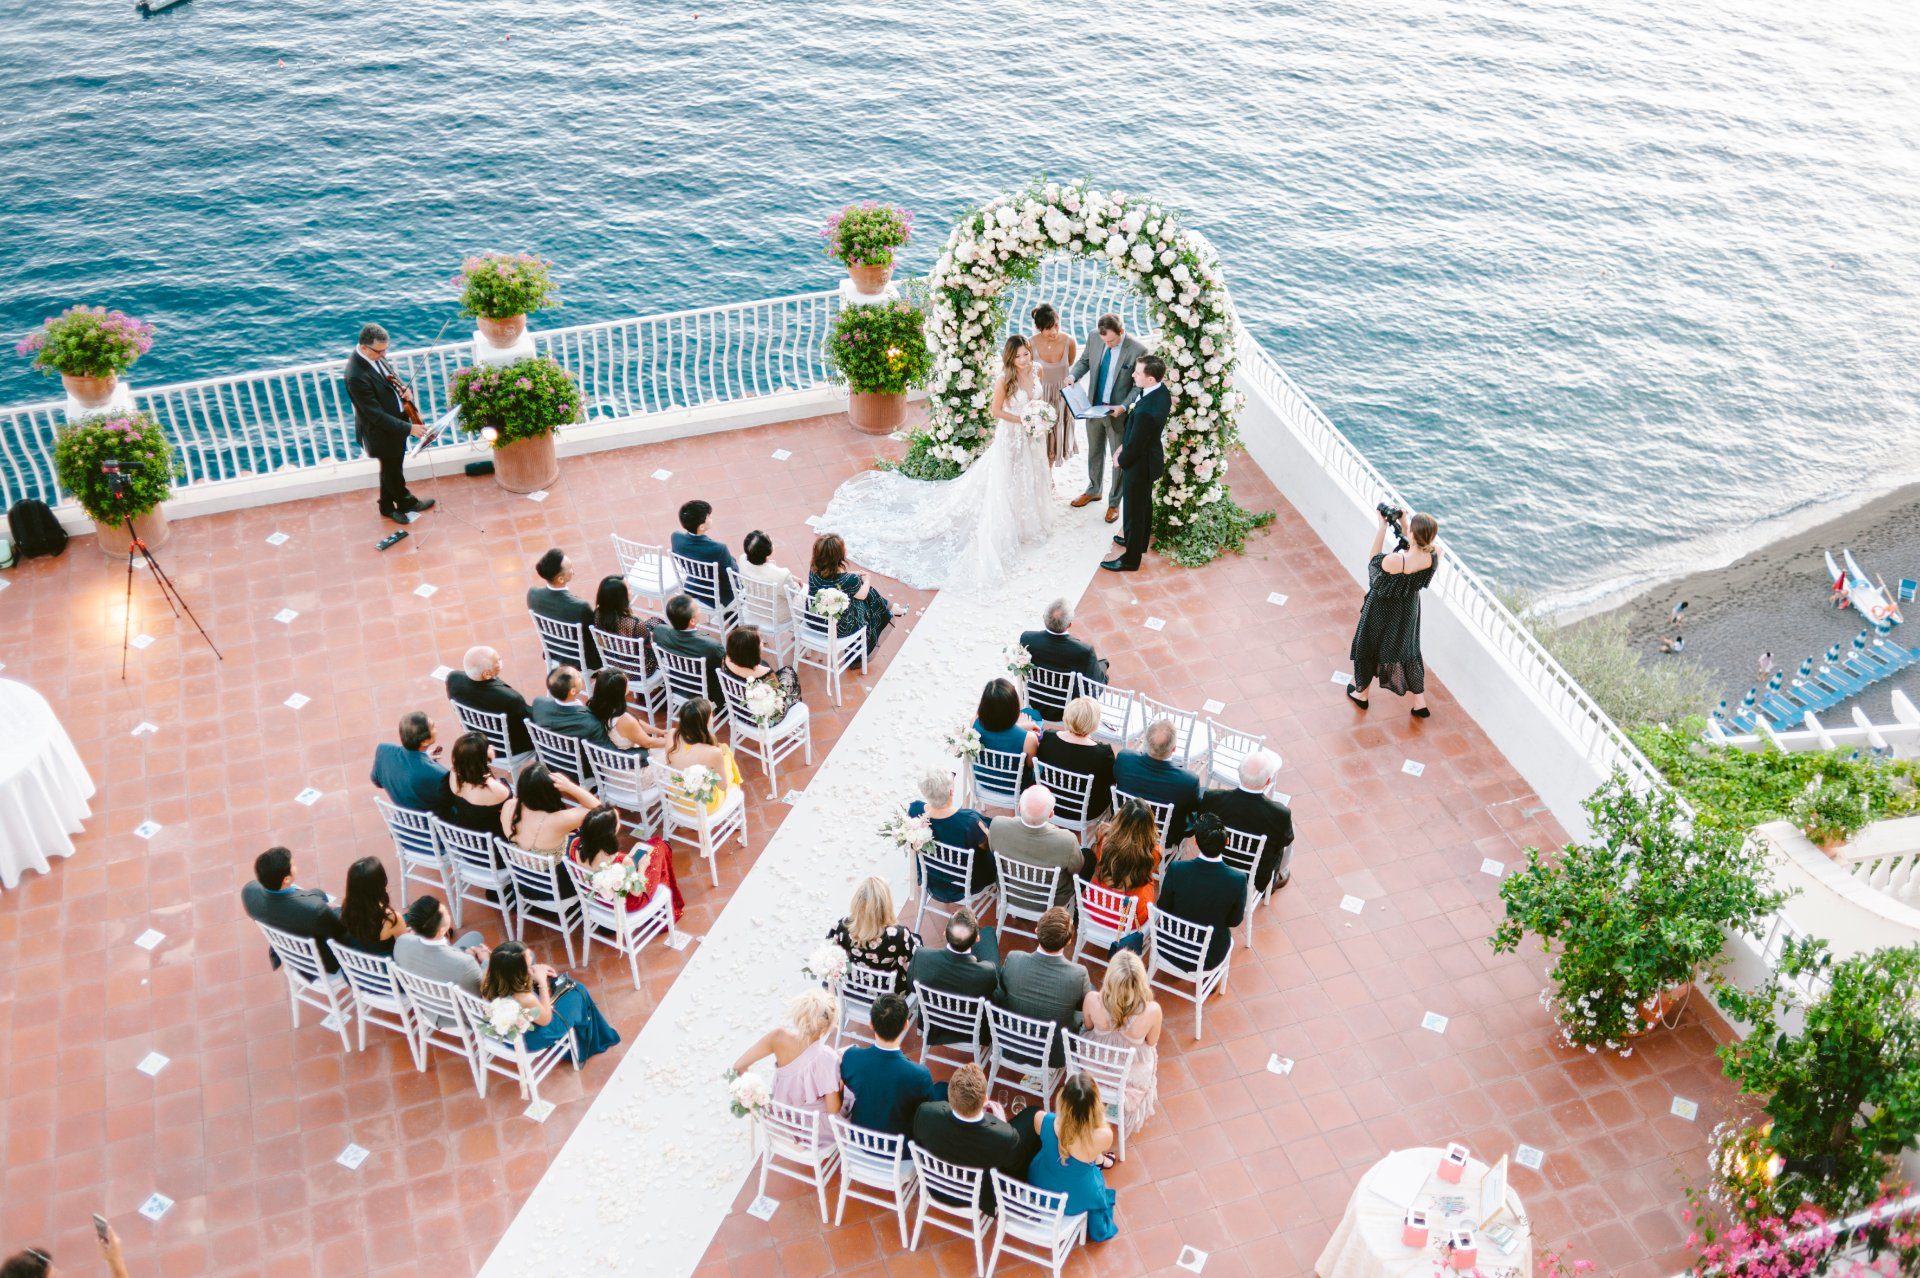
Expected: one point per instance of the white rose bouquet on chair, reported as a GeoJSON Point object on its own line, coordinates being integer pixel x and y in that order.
{"type": "Point", "coordinates": [618, 879]}
{"type": "Point", "coordinates": [700, 784]}
{"type": "Point", "coordinates": [1038, 418]}
{"type": "Point", "coordinates": [764, 704]}
{"type": "Point", "coordinates": [910, 833]}
{"type": "Point", "coordinates": [507, 1019]}
{"type": "Point", "coordinates": [1019, 660]}
{"type": "Point", "coordinates": [827, 965]}
{"type": "Point", "coordinates": [747, 1094]}
{"type": "Point", "coordinates": [964, 744]}
{"type": "Point", "coordinates": [830, 603]}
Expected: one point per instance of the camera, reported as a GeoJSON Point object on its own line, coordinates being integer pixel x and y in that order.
{"type": "Point", "coordinates": [1393, 515]}
{"type": "Point", "coordinates": [119, 482]}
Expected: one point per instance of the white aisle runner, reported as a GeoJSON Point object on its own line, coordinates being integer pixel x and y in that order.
{"type": "Point", "coordinates": [644, 1182]}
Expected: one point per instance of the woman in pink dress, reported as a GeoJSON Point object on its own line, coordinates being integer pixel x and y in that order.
{"type": "Point", "coordinates": [806, 1069]}
{"type": "Point", "coordinates": [1053, 355]}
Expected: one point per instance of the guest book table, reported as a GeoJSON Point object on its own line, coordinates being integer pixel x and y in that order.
{"type": "Point", "coordinates": [44, 787]}
{"type": "Point", "coordinates": [1368, 1242]}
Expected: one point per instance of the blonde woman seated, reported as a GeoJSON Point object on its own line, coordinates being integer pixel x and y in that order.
{"type": "Point", "coordinates": [1123, 1013]}
{"type": "Point", "coordinates": [806, 1069]}
{"type": "Point", "coordinates": [692, 745]}
{"type": "Point", "coordinates": [1071, 746]}
{"type": "Point", "coordinates": [872, 934]}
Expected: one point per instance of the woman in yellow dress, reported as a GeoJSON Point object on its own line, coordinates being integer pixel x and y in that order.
{"type": "Point", "coordinates": [692, 745]}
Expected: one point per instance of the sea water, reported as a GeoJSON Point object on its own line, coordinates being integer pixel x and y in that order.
{"type": "Point", "coordinates": [1590, 280]}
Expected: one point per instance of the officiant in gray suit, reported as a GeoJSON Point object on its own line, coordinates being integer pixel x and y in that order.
{"type": "Point", "coordinates": [1109, 361]}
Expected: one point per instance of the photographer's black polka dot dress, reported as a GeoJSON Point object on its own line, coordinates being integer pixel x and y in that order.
{"type": "Point", "coordinates": [1386, 643]}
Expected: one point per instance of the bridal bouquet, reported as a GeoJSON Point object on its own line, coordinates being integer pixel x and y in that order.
{"type": "Point", "coordinates": [826, 965]}
{"type": "Point", "coordinates": [763, 703]}
{"type": "Point", "coordinates": [1019, 660]}
{"type": "Point", "coordinates": [1039, 418]}
{"type": "Point", "coordinates": [910, 833]}
{"type": "Point", "coordinates": [700, 784]}
{"type": "Point", "coordinates": [964, 744]}
{"type": "Point", "coordinates": [506, 1019]}
{"type": "Point", "coordinates": [747, 1094]}
{"type": "Point", "coordinates": [830, 603]}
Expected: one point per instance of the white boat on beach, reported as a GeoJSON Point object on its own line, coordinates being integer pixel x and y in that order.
{"type": "Point", "coordinates": [1864, 595]}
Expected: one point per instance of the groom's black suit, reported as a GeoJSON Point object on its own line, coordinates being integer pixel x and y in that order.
{"type": "Point", "coordinates": [1142, 460]}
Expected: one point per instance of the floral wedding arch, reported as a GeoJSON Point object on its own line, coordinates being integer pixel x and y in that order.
{"type": "Point", "coordinates": [1178, 277]}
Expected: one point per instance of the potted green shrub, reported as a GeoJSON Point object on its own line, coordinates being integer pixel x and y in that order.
{"type": "Point", "coordinates": [878, 352]}
{"type": "Point", "coordinates": [1829, 811]}
{"type": "Point", "coordinates": [501, 289]}
{"type": "Point", "coordinates": [89, 346]}
{"type": "Point", "coordinates": [517, 408]}
{"type": "Point", "coordinates": [1843, 1092]}
{"type": "Point", "coordinates": [1635, 916]}
{"type": "Point", "coordinates": [118, 466]}
{"type": "Point", "coordinates": [864, 236]}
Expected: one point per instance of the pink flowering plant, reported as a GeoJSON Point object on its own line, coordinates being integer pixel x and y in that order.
{"type": "Point", "coordinates": [522, 400]}
{"type": "Point", "coordinates": [88, 341]}
{"type": "Point", "coordinates": [502, 285]}
{"type": "Point", "coordinates": [879, 349]}
{"type": "Point", "coordinates": [867, 234]}
{"type": "Point", "coordinates": [136, 442]}
{"type": "Point", "coordinates": [1747, 1238]}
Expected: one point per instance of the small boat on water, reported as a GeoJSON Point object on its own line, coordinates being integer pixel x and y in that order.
{"type": "Point", "coordinates": [1865, 596]}
{"type": "Point", "coordinates": [144, 7]}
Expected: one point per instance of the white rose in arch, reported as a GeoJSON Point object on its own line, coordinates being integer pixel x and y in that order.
{"type": "Point", "coordinates": [1165, 290]}
{"type": "Point", "coordinates": [1133, 222]}
{"type": "Point", "coordinates": [1143, 256]}
{"type": "Point", "coordinates": [1116, 245]}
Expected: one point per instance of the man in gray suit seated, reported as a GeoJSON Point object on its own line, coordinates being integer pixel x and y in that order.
{"type": "Point", "coordinates": [1045, 984]}
{"type": "Point", "coordinates": [1032, 838]}
{"type": "Point", "coordinates": [1110, 360]}
{"type": "Point", "coordinates": [424, 950]}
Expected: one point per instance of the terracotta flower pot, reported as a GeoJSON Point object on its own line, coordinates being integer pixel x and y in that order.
{"type": "Point", "coordinates": [870, 279]}
{"type": "Point", "coordinates": [502, 333]}
{"type": "Point", "coordinates": [877, 412]}
{"type": "Point", "coordinates": [526, 465]}
{"type": "Point", "coordinates": [1663, 1006]}
{"type": "Point", "coordinates": [89, 392]}
{"type": "Point", "coordinates": [151, 526]}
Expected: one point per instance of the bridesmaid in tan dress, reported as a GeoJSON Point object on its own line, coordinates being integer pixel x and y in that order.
{"type": "Point", "coordinates": [1053, 354]}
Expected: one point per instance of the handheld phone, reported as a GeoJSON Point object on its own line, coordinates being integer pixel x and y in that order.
{"type": "Point", "coordinates": [100, 1226]}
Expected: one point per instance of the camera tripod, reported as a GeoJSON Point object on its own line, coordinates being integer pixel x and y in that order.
{"type": "Point", "coordinates": [168, 591]}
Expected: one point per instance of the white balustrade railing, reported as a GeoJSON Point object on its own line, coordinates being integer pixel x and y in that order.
{"type": "Point", "coordinates": [230, 428]}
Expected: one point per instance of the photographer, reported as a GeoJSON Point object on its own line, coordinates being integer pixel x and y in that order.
{"type": "Point", "coordinates": [1386, 643]}
{"type": "Point", "coordinates": [36, 1263]}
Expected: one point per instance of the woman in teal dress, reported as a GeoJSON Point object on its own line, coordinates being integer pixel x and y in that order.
{"type": "Point", "coordinates": [1076, 1141]}
{"type": "Point", "coordinates": [865, 606]}
{"type": "Point", "coordinates": [510, 974]}
{"type": "Point", "coordinates": [1003, 723]}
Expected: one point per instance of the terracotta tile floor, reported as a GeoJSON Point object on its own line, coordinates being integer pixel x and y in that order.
{"type": "Point", "coordinates": [242, 1127]}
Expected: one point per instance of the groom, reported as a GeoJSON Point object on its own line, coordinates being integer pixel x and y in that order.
{"type": "Point", "coordinates": [1112, 384]}
{"type": "Point", "coordinates": [1142, 460]}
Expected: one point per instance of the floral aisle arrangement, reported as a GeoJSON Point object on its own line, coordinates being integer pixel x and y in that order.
{"type": "Point", "coordinates": [764, 703]}
{"type": "Point", "coordinates": [1640, 911]}
{"type": "Point", "coordinates": [699, 785]}
{"type": "Point", "coordinates": [827, 964]}
{"type": "Point", "coordinates": [507, 1019]}
{"type": "Point", "coordinates": [830, 603]}
{"type": "Point", "coordinates": [1002, 244]}
{"type": "Point", "coordinates": [501, 289]}
{"type": "Point", "coordinates": [964, 744]}
{"type": "Point", "coordinates": [1019, 660]}
{"type": "Point", "coordinates": [136, 449]}
{"type": "Point", "coordinates": [747, 1094]}
{"type": "Point", "coordinates": [908, 833]}
{"type": "Point", "coordinates": [1843, 1092]}
{"type": "Point", "coordinates": [619, 880]}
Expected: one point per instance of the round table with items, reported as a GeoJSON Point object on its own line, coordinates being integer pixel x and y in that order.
{"type": "Point", "coordinates": [1368, 1243]}
{"type": "Point", "coordinates": [44, 787]}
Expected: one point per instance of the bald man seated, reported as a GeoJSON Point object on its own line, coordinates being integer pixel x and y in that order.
{"type": "Point", "coordinates": [478, 686]}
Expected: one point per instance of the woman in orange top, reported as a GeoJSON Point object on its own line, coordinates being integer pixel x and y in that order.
{"type": "Point", "coordinates": [1127, 855]}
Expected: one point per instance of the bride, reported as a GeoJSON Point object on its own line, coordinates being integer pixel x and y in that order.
{"type": "Point", "coordinates": [966, 531]}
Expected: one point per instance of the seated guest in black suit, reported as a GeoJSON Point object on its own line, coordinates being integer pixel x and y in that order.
{"type": "Point", "coordinates": [679, 636]}
{"type": "Point", "coordinates": [613, 612]}
{"type": "Point", "coordinates": [965, 967]}
{"type": "Point", "coordinates": [692, 542]}
{"type": "Point", "coordinates": [1071, 746]}
{"type": "Point", "coordinates": [365, 919]}
{"type": "Point", "coordinates": [1055, 649]}
{"type": "Point", "coordinates": [957, 827]}
{"type": "Point", "coordinates": [407, 771]}
{"type": "Point", "coordinates": [554, 599]}
{"type": "Point", "coordinates": [968, 1130]}
{"type": "Point", "coordinates": [478, 686]}
{"type": "Point", "coordinates": [564, 710]}
{"type": "Point", "coordinates": [1154, 775]}
{"type": "Point", "coordinates": [272, 898]}
{"type": "Point", "coordinates": [887, 1086]}
{"type": "Point", "coordinates": [1206, 890]}
{"type": "Point", "coordinates": [1250, 811]}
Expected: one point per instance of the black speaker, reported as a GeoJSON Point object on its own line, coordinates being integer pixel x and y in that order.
{"type": "Point", "coordinates": [477, 468]}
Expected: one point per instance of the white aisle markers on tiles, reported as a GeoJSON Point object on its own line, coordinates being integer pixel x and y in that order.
{"type": "Point", "coordinates": [653, 1168]}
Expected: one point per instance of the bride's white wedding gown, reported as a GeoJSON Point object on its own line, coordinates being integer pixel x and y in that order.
{"type": "Point", "coordinates": [964, 532]}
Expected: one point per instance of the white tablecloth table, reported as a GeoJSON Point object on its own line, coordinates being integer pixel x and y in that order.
{"type": "Point", "coordinates": [44, 787]}
{"type": "Point", "coordinates": [1367, 1243]}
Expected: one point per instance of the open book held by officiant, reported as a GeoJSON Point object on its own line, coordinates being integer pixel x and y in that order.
{"type": "Point", "coordinates": [1081, 407]}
